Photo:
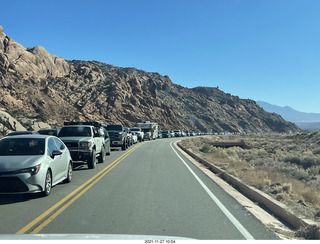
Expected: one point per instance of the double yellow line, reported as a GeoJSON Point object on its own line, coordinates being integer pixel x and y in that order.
{"type": "Point", "coordinates": [45, 218]}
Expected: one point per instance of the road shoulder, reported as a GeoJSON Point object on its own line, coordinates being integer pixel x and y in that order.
{"type": "Point", "coordinates": [282, 231]}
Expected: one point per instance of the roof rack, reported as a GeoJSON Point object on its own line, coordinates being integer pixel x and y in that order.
{"type": "Point", "coordinates": [93, 123]}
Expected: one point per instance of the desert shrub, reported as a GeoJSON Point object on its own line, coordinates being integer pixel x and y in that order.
{"type": "Point", "coordinates": [314, 170]}
{"type": "Point", "coordinates": [287, 187]}
{"type": "Point", "coordinates": [292, 147]}
{"type": "Point", "coordinates": [219, 152]}
{"type": "Point", "coordinates": [193, 144]}
{"type": "Point", "coordinates": [306, 160]}
{"type": "Point", "coordinates": [300, 174]}
{"type": "Point", "coordinates": [234, 152]}
{"type": "Point", "coordinates": [264, 162]}
{"type": "Point", "coordinates": [196, 142]}
{"type": "Point", "coordinates": [257, 178]}
{"type": "Point", "coordinates": [309, 161]}
{"type": "Point", "coordinates": [205, 148]}
{"type": "Point", "coordinates": [293, 159]}
{"type": "Point", "coordinates": [237, 166]}
{"type": "Point", "coordinates": [280, 196]}
{"type": "Point", "coordinates": [311, 232]}
{"type": "Point", "coordinates": [309, 195]}
{"type": "Point", "coordinates": [316, 151]}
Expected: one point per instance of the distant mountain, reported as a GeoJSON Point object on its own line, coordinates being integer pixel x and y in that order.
{"type": "Point", "coordinates": [289, 113]}
{"type": "Point", "coordinates": [308, 121]}
{"type": "Point", "coordinates": [36, 86]}
{"type": "Point", "coordinates": [310, 126]}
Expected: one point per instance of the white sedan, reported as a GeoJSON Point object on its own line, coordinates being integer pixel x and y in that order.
{"type": "Point", "coordinates": [33, 163]}
{"type": "Point", "coordinates": [134, 137]}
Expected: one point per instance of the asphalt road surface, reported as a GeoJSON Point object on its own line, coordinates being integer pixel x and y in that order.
{"type": "Point", "coordinates": [150, 190]}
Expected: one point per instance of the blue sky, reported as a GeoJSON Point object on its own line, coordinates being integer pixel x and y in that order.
{"type": "Point", "coordinates": [265, 50]}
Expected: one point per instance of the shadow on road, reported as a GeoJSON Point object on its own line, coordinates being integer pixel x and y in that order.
{"type": "Point", "coordinates": [15, 198]}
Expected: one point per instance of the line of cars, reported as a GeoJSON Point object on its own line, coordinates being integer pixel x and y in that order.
{"type": "Point", "coordinates": [35, 161]}
{"type": "Point", "coordinates": [176, 133]}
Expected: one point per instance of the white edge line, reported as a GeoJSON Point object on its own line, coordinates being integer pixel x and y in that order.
{"type": "Point", "coordinates": [229, 215]}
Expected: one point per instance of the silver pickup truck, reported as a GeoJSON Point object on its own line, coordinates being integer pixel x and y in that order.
{"type": "Point", "coordinates": [86, 141]}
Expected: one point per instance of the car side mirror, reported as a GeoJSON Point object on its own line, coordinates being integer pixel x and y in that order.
{"type": "Point", "coordinates": [56, 153]}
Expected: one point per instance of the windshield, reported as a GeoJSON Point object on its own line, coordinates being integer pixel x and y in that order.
{"type": "Point", "coordinates": [48, 132]}
{"type": "Point", "coordinates": [75, 131]}
{"type": "Point", "coordinates": [22, 146]}
{"type": "Point", "coordinates": [114, 127]}
{"type": "Point", "coordinates": [135, 129]}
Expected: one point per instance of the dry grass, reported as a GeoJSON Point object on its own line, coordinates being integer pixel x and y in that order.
{"type": "Point", "coordinates": [286, 167]}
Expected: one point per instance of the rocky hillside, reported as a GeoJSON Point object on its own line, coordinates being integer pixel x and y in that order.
{"type": "Point", "coordinates": [38, 88]}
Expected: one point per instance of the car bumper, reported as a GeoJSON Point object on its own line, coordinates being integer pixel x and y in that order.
{"type": "Point", "coordinates": [79, 155]}
{"type": "Point", "coordinates": [116, 143]}
{"type": "Point", "coordinates": [21, 183]}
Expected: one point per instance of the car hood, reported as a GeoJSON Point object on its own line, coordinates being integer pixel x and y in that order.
{"type": "Point", "coordinates": [91, 237]}
{"type": "Point", "coordinates": [12, 163]}
{"type": "Point", "coordinates": [75, 138]}
{"type": "Point", "coordinates": [114, 131]}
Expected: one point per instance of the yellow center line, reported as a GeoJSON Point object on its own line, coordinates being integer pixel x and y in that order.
{"type": "Point", "coordinates": [80, 190]}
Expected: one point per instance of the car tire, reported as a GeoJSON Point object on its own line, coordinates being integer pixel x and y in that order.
{"type": "Point", "coordinates": [92, 160]}
{"type": "Point", "coordinates": [47, 184]}
{"type": "Point", "coordinates": [102, 156]}
{"type": "Point", "coordinates": [124, 146]}
{"type": "Point", "coordinates": [69, 174]}
{"type": "Point", "coordinates": [109, 151]}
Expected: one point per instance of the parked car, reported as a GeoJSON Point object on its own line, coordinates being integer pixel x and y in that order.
{"type": "Point", "coordinates": [107, 141]}
{"type": "Point", "coordinates": [129, 136]}
{"type": "Point", "coordinates": [25, 132]}
{"type": "Point", "coordinates": [166, 133]}
{"type": "Point", "coordinates": [177, 133]}
{"type": "Point", "coordinates": [33, 163]}
{"type": "Point", "coordinates": [53, 132]}
{"type": "Point", "coordinates": [134, 137]}
{"type": "Point", "coordinates": [118, 135]}
{"type": "Point", "coordinates": [85, 141]}
{"type": "Point", "coordinates": [140, 133]}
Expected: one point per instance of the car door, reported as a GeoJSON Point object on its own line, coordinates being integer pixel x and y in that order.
{"type": "Point", "coordinates": [98, 138]}
{"type": "Point", "coordinates": [65, 156]}
{"type": "Point", "coordinates": [57, 165]}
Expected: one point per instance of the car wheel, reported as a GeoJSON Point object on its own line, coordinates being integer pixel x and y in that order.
{"type": "Point", "coordinates": [109, 151]}
{"type": "Point", "coordinates": [69, 174]}
{"type": "Point", "coordinates": [47, 184]}
{"type": "Point", "coordinates": [124, 146]}
{"type": "Point", "coordinates": [92, 160]}
{"type": "Point", "coordinates": [102, 156]}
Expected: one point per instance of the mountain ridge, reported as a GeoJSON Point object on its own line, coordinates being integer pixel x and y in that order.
{"type": "Point", "coordinates": [289, 113]}
{"type": "Point", "coordinates": [306, 121]}
{"type": "Point", "coordinates": [38, 86]}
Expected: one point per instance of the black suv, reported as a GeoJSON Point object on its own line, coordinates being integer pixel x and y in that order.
{"type": "Point", "coordinates": [118, 135]}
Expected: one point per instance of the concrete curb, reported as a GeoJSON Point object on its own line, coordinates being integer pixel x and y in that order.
{"type": "Point", "coordinates": [272, 205]}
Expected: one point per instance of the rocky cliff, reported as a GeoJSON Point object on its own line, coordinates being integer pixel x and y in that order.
{"type": "Point", "coordinates": [36, 86]}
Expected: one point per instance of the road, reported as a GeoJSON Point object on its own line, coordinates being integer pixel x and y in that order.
{"type": "Point", "coordinates": [150, 189]}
